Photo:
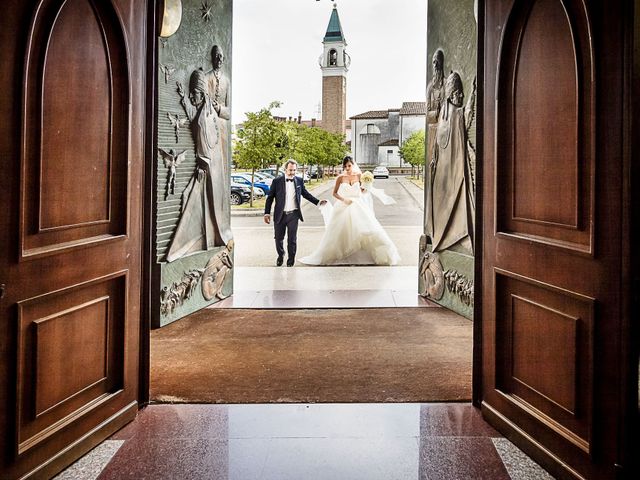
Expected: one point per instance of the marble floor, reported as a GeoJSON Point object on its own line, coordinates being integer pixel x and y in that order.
{"type": "Point", "coordinates": [307, 441]}
{"type": "Point", "coordinates": [325, 287]}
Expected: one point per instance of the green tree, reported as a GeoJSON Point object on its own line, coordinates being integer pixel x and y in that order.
{"type": "Point", "coordinates": [287, 141]}
{"type": "Point", "coordinates": [319, 147]}
{"type": "Point", "coordinates": [309, 145]}
{"type": "Point", "coordinates": [257, 142]}
{"type": "Point", "coordinates": [412, 151]}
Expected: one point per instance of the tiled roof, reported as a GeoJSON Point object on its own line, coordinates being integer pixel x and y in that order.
{"type": "Point", "coordinates": [413, 108]}
{"type": "Point", "coordinates": [389, 143]}
{"type": "Point", "coordinates": [372, 114]}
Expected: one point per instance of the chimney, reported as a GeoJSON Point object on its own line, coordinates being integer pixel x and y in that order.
{"type": "Point", "coordinates": [299, 117]}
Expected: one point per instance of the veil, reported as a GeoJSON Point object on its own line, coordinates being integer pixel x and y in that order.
{"type": "Point", "coordinates": [355, 168]}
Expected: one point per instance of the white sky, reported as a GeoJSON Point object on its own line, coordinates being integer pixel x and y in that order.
{"type": "Point", "coordinates": [276, 45]}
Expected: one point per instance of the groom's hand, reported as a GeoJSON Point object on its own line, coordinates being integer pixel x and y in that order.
{"type": "Point", "coordinates": [267, 218]}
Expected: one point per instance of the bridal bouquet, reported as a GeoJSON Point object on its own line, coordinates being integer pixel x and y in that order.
{"type": "Point", "coordinates": [366, 180]}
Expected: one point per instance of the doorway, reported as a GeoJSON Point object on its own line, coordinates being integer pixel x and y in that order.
{"type": "Point", "coordinates": [276, 304]}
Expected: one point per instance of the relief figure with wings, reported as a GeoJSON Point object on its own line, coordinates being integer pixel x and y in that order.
{"type": "Point", "coordinates": [171, 161]}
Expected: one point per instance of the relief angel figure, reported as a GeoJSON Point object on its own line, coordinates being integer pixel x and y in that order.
{"type": "Point", "coordinates": [167, 70]}
{"type": "Point", "coordinates": [176, 123]}
{"type": "Point", "coordinates": [171, 161]}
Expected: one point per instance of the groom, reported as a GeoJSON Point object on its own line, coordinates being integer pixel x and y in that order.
{"type": "Point", "coordinates": [286, 190]}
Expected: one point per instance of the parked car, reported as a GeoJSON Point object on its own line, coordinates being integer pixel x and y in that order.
{"type": "Point", "coordinates": [266, 174]}
{"type": "Point", "coordinates": [264, 177]}
{"type": "Point", "coordinates": [315, 171]}
{"type": "Point", "coordinates": [381, 172]}
{"type": "Point", "coordinates": [240, 194]}
{"type": "Point", "coordinates": [245, 179]}
{"type": "Point", "coordinates": [272, 172]}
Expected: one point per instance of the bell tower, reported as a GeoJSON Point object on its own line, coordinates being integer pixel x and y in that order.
{"type": "Point", "coordinates": [334, 63]}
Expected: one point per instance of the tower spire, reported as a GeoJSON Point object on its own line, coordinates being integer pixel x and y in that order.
{"type": "Point", "coordinates": [334, 29]}
{"type": "Point", "coordinates": [334, 63]}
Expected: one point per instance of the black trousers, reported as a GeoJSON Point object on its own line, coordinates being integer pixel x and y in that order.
{"type": "Point", "coordinates": [289, 225]}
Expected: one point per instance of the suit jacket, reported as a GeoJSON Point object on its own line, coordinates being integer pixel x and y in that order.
{"type": "Point", "coordinates": [278, 192]}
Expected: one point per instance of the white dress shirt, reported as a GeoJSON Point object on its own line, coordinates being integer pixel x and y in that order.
{"type": "Point", "coordinates": [290, 202]}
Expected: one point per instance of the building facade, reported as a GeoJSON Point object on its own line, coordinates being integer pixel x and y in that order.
{"type": "Point", "coordinates": [377, 135]}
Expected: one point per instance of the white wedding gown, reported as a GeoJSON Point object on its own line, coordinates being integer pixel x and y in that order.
{"type": "Point", "coordinates": [353, 235]}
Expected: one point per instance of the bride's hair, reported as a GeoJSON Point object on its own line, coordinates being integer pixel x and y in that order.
{"type": "Point", "coordinates": [356, 169]}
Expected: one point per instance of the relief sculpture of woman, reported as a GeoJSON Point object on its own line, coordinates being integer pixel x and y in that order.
{"type": "Point", "coordinates": [204, 221]}
{"type": "Point", "coordinates": [452, 192]}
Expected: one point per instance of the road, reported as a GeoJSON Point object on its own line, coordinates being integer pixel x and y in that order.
{"type": "Point", "coordinates": [254, 244]}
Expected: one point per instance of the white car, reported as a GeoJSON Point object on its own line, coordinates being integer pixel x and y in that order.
{"type": "Point", "coordinates": [380, 172]}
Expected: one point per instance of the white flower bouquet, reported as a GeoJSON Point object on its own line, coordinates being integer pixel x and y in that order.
{"type": "Point", "coordinates": [366, 180]}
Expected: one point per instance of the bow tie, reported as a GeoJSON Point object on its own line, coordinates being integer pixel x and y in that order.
{"type": "Point", "coordinates": [289, 179]}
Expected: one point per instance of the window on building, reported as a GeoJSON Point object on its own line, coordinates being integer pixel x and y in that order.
{"type": "Point", "coordinates": [333, 57]}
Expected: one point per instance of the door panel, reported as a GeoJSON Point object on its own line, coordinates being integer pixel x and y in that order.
{"type": "Point", "coordinates": [193, 265]}
{"type": "Point", "coordinates": [552, 159]}
{"type": "Point", "coordinates": [446, 273]}
{"type": "Point", "coordinates": [75, 100]}
{"type": "Point", "coordinates": [71, 242]}
{"type": "Point", "coordinates": [553, 213]}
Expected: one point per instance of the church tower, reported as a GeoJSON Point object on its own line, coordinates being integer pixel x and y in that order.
{"type": "Point", "coordinates": [334, 64]}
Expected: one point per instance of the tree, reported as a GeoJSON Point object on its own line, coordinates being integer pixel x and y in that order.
{"type": "Point", "coordinates": [319, 147]}
{"type": "Point", "coordinates": [412, 151]}
{"type": "Point", "coordinates": [257, 141]}
{"type": "Point", "coordinates": [336, 149]}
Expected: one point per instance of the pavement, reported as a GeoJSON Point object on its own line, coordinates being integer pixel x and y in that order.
{"type": "Point", "coordinates": [254, 244]}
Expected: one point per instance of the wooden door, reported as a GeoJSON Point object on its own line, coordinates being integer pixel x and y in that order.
{"type": "Point", "coordinates": [71, 143]}
{"type": "Point", "coordinates": [554, 136]}
{"type": "Point", "coordinates": [193, 250]}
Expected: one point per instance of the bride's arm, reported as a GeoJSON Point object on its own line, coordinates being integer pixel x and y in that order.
{"type": "Point", "coordinates": [335, 191]}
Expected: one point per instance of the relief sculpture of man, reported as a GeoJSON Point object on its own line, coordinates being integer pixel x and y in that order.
{"type": "Point", "coordinates": [219, 89]}
{"type": "Point", "coordinates": [451, 193]}
{"type": "Point", "coordinates": [435, 96]}
{"type": "Point", "coordinates": [204, 221]}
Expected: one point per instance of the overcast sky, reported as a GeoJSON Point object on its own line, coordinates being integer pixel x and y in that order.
{"type": "Point", "coordinates": [276, 45]}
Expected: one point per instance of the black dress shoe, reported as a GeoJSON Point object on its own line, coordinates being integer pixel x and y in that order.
{"type": "Point", "coordinates": [279, 261]}
{"type": "Point", "coordinates": [290, 262]}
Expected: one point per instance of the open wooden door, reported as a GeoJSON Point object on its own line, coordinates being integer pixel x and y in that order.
{"type": "Point", "coordinates": [555, 153]}
{"type": "Point", "coordinates": [72, 150]}
{"type": "Point", "coordinates": [193, 248]}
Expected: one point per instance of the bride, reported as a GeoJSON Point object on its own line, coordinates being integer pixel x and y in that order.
{"type": "Point", "coordinates": [352, 235]}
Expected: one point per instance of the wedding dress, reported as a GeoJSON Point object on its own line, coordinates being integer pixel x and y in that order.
{"type": "Point", "coordinates": [352, 235]}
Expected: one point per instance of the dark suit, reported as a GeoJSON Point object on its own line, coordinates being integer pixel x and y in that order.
{"type": "Point", "coordinates": [286, 222]}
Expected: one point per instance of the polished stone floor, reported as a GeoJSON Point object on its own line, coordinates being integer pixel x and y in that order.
{"type": "Point", "coordinates": [324, 287]}
{"type": "Point", "coordinates": [307, 441]}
